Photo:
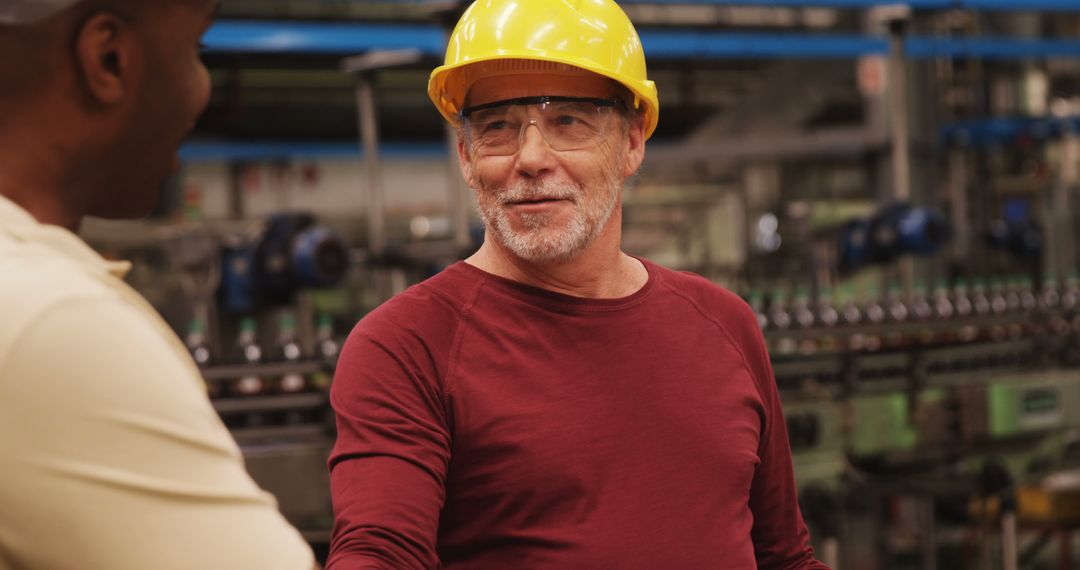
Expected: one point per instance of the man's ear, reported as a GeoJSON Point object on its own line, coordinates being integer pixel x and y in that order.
{"type": "Point", "coordinates": [104, 56]}
{"type": "Point", "coordinates": [465, 160]}
{"type": "Point", "coordinates": [635, 155]}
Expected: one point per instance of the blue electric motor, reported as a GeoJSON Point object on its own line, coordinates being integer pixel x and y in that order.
{"type": "Point", "coordinates": [293, 253]}
{"type": "Point", "coordinates": [896, 230]}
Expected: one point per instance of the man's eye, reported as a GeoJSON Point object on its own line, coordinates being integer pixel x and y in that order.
{"type": "Point", "coordinates": [496, 126]}
{"type": "Point", "coordinates": [566, 120]}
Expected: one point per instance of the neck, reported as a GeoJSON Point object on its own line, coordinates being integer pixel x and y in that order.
{"type": "Point", "coordinates": [46, 207]}
{"type": "Point", "coordinates": [602, 271]}
{"type": "Point", "coordinates": [35, 175]}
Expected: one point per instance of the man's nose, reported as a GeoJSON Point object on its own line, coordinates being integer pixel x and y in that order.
{"type": "Point", "coordinates": [534, 156]}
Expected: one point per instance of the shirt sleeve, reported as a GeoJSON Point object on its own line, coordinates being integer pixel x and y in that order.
{"type": "Point", "coordinates": [114, 458]}
{"type": "Point", "coordinates": [781, 539]}
{"type": "Point", "coordinates": [388, 468]}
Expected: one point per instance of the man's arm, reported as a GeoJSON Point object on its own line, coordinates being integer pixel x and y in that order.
{"type": "Point", "coordinates": [388, 468]}
{"type": "Point", "coordinates": [114, 457]}
{"type": "Point", "coordinates": [781, 540]}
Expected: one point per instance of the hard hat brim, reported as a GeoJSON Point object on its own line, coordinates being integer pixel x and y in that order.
{"type": "Point", "coordinates": [442, 77]}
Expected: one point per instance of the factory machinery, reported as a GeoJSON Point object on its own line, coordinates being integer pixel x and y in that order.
{"type": "Point", "coordinates": [917, 422]}
{"type": "Point", "coordinates": [274, 398]}
{"type": "Point", "coordinates": [933, 407]}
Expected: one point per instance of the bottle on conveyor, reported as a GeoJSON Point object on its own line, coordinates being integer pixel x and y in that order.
{"type": "Point", "coordinates": [923, 314]}
{"type": "Point", "coordinates": [803, 316]}
{"type": "Point", "coordinates": [288, 351]}
{"type": "Point", "coordinates": [327, 348]}
{"type": "Point", "coordinates": [828, 318]}
{"type": "Point", "coordinates": [757, 304]}
{"type": "Point", "coordinates": [874, 315]}
{"type": "Point", "coordinates": [199, 348]}
{"type": "Point", "coordinates": [197, 344]}
{"type": "Point", "coordinates": [851, 318]}
{"type": "Point", "coordinates": [247, 352]}
{"type": "Point", "coordinates": [780, 322]}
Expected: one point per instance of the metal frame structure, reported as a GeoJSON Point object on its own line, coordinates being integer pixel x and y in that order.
{"type": "Point", "coordinates": [311, 38]}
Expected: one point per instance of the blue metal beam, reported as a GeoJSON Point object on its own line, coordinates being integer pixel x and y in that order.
{"type": "Point", "coordinates": [1022, 5]}
{"type": "Point", "coordinates": [974, 133]}
{"type": "Point", "coordinates": [671, 44]}
{"type": "Point", "coordinates": [1007, 129]}
{"type": "Point", "coordinates": [916, 4]}
{"type": "Point", "coordinates": [346, 39]}
{"type": "Point", "coordinates": [991, 48]}
{"type": "Point", "coordinates": [320, 38]}
{"type": "Point", "coordinates": [205, 151]}
{"type": "Point", "coordinates": [988, 5]}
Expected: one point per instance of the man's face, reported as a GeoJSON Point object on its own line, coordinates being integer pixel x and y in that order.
{"type": "Point", "coordinates": [171, 92]}
{"type": "Point", "coordinates": [542, 204]}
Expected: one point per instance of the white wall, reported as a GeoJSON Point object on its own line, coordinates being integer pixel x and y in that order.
{"type": "Point", "coordinates": [328, 188]}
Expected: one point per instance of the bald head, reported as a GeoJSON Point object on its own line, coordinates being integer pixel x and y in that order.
{"type": "Point", "coordinates": [37, 36]}
{"type": "Point", "coordinates": [26, 12]}
{"type": "Point", "coordinates": [98, 95]}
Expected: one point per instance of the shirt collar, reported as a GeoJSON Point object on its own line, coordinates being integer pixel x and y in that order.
{"type": "Point", "coordinates": [18, 223]}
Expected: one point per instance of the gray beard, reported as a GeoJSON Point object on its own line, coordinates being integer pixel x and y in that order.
{"type": "Point", "coordinates": [540, 240]}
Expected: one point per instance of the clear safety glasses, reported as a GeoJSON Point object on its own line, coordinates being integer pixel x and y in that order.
{"type": "Point", "coordinates": [566, 123]}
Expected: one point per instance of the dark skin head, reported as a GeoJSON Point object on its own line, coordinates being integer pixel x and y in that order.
{"type": "Point", "coordinates": [103, 94]}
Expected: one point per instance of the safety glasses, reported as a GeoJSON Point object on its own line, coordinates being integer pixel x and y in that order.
{"type": "Point", "coordinates": [566, 123]}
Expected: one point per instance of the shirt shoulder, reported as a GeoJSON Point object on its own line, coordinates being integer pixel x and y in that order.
{"type": "Point", "coordinates": [729, 313]}
{"type": "Point", "coordinates": [729, 310]}
{"type": "Point", "coordinates": [431, 310]}
{"type": "Point", "coordinates": [36, 280]}
{"type": "Point", "coordinates": [130, 432]}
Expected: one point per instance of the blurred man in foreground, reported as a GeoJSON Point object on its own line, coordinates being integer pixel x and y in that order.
{"type": "Point", "coordinates": [113, 457]}
{"type": "Point", "coordinates": [552, 402]}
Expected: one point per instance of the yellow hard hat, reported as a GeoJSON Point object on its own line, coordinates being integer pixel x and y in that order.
{"type": "Point", "coordinates": [594, 35]}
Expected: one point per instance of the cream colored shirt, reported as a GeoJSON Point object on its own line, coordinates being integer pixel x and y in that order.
{"type": "Point", "coordinates": [111, 456]}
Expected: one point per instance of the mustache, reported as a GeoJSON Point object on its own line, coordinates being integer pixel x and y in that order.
{"type": "Point", "coordinates": [528, 190]}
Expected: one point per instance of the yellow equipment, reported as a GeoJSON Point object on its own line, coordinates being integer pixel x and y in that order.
{"type": "Point", "coordinates": [515, 36]}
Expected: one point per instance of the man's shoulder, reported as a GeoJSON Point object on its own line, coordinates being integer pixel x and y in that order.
{"type": "Point", "coordinates": [36, 279]}
{"type": "Point", "coordinates": [714, 302]}
{"type": "Point", "coordinates": [698, 289]}
{"type": "Point", "coordinates": [431, 307]}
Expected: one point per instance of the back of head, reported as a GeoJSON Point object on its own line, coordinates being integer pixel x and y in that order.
{"type": "Point", "coordinates": [23, 12]}
{"type": "Point", "coordinates": [98, 95]}
{"type": "Point", "coordinates": [24, 38]}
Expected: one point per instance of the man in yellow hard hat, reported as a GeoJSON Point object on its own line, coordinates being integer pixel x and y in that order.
{"type": "Point", "coordinates": [112, 456]}
{"type": "Point", "coordinates": [552, 402]}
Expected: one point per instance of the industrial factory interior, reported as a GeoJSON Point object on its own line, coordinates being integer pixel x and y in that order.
{"type": "Point", "coordinates": [893, 188]}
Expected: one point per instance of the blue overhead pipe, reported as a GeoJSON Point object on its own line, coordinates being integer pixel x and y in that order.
{"type": "Point", "coordinates": [1022, 5]}
{"type": "Point", "coordinates": [286, 37]}
{"type": "Point", "coordinates": [991, 48]}
{"type": "Point", "coordinates": [988, 5]}
{"type": "Point", "coordinates": [204, 151]}
{"type": "Point", "coordinates": [713, 45]}
{"type": "Point", "coordinates": [282, 38]}
{"type": "Point", "coordinates": [916, 4]}
{"type": "Point", "coordinates": [1007, 129]}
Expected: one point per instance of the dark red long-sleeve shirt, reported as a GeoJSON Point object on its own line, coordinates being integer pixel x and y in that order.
{"type": "Point", "coordinates": [484, 424]}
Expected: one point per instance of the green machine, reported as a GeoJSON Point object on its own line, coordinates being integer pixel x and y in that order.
{"type": "Point", "coordinates": [1031, 403]}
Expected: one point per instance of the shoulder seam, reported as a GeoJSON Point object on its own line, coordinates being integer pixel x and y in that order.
{"type": "Point", "coordinates": [463, 316]}
{"type": "Point", "coordinates": [727, 335]}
